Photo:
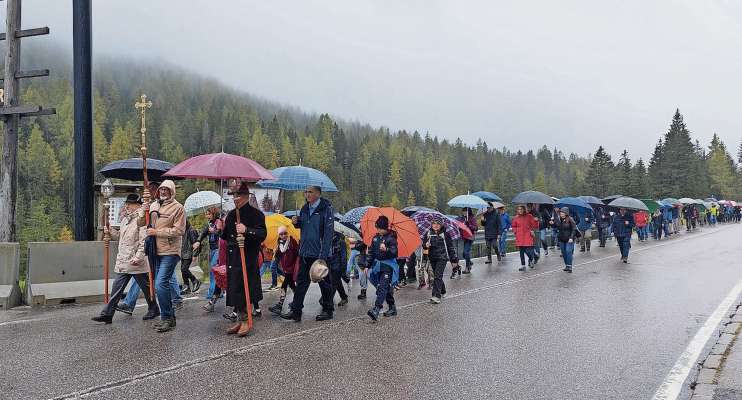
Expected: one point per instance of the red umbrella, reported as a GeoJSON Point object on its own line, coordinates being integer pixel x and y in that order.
{"type": "Point", "coordinates": [465, 231]}
{"type": "Point", "coordinates": [408, 239]}
{"type": "Point", "coordinates": [220, 166]}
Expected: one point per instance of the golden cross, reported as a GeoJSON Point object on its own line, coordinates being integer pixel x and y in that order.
{"type": "Point", "coordinates": [142, 105]}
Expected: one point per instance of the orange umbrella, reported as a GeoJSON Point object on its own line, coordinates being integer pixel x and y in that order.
{"type": "Point", "coordinates": [408, 238]}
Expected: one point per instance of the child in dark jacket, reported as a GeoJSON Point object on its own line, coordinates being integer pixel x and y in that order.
{"type": "Point", "coordinates": [382, 260]}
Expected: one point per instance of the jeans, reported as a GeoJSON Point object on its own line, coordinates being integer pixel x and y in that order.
{"type": "Point", "coordinates": [467, 251]}
{"type": "Point", "coordinates": [526, 250]}
{"type": "Point", "coordinates": [568, 251]}
{"type": "Point", "coordinates": [624, 244]}
{"type": "Point", "coordinates": [213, 260]}
{"type": "Point", "coordinates": [554, 236]}
{"type": "Point", "coordinates": [352, 262]}
{"type": "Point", "coordinates": [536, 249]}
{"type": "Point", "coordinates": [135, 290]}
{"type": "Point", "coordinates": [542, 236]}
{"type": "Point", "coordinates": [273, 265]}
{"type": "Point", "coordinates": [384, 291]}
{"type": "Point", "coordinates": [503, 242]}
{"type": "Point", "coordinates": [165, 268]}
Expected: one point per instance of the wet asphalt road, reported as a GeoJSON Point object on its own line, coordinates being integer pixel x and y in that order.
{"type": "Point", "coordinates": [608, 331]}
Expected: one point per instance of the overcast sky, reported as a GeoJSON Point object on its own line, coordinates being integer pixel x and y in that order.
{"type": "Point", "coordinates": [515, 73]}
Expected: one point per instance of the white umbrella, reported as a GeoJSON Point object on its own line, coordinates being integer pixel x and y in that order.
{"type": "Point", "coordinates": [199, 202]}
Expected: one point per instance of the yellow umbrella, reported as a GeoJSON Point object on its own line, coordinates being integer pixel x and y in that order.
{"type": "Point", "coordinates": [272, 222]}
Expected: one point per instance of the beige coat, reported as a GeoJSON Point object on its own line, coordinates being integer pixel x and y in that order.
{"type": "Point", "coordinates": [169, 221]}
{"type": "Point", "coordinates": [131, 246]}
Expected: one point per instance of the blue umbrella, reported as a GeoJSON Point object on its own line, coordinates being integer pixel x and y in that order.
{"type": "Point", "coordinates": [468, 201]}
{"type": "Point", "coordinates": [291, 213]}
{"type": "Point", "coordinates": [573, 202]}
{"type": "Point", "coordinates": [487, 196]}
{"type": "Point", "coordinates": [592, 200]}
{"type": "Point", "coordinates": [297, 178]}
{"type": "Point", "coordinates": [355, 215]}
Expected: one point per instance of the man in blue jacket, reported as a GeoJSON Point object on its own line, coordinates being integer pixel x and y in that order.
{"type": "Point", "coordinates": [585, 225]}
{"type": "Point", "coordinates": [623, 225]}
{"type": "Point", "coordinates": [504, 228]}
{"type": "Point", "coordinates": [317, 222]}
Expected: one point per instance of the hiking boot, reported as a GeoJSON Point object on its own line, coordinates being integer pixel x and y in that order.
{"type": "Point", "coordinates": [435, 300]}
{"type": "Point", "coordinates": [276, 308]}
{"type": "Point", "coordinates": [152, 314]}
{"type": "Point", "coordinates": [106, 319]}
{"type": "Point", "coordinates": [166, 325]}
{"type": "Point", "coordinates": [392, 311]}
{"type": "Point", "coordinates": [292, 316]}
{"type": "Point", "coordinates": [196, 286]}
{"type": "Point", "coordinates": [124, 308]}
{"type": "Point", "coordinates": [373, 313]}
{"type": "Point", "coordinates": [362, 296]}
{"type": "Point", "coordinates": [343, 302]}
{"type": "Point", "coordinates": [324, 316]}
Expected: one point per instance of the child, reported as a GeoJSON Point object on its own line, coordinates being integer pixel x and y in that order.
{"type": "Point", "coordinates": [382, 260]}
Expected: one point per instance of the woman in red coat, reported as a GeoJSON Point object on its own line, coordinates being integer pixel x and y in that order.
{"type": "Point", "coordinates": [523, 226]}
{"type": "Point", "coordinates": [287, 253]}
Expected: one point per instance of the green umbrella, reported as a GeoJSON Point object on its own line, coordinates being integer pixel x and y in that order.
{"type": "Point", "coordinates": [652, 205]}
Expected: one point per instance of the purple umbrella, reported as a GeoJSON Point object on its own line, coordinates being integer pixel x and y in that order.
{"type": "Point", "coordinates": [423, 220]}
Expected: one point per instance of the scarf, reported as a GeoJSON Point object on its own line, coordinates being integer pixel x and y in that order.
{"type": "Point", "coordinates": [283, 246]}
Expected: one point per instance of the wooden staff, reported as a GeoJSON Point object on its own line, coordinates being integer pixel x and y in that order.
{"type": "Point", "coordinates": [142, 105]}
{"type": "Point", "coordinates": [106, 249]}
{"type": "Point", "coordinates": [241, 243]}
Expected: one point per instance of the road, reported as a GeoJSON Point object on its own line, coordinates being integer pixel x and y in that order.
{"type": "Point", "coordinates": [608, 331]}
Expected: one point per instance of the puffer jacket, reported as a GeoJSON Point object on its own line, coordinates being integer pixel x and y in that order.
{"type": "Point", "coordinates": [169, 221]}
{"type": "Point", "coordinates": [131, 246]}
{"type": "Point", "coordinates": [523, 227]}
{"type": "Point", "coordinates": [440, 246]}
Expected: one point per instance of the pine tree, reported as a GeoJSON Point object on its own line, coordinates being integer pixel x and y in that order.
{"type": "Point", "coordinates": [622, 177]}
{"type": "Point", "coordinates": [721, 170]}
{"type": "Point", "coordinates": [641, 180]}
{"type": "Point", "coordinates": [599, 177]}
{"type": "Point", "coordinates": [674, 169]}
{"type": "Point", "coordinates": [122, 146]}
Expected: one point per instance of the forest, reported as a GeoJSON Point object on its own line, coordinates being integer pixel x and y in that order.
{"type": "Point", "coordinates": [370, 165]}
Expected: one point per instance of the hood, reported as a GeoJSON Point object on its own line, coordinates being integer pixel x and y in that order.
{"type": "Point", "coordinates": [170, 185]}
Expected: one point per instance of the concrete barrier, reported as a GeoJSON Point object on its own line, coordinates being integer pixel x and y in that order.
{"type": "Point", "coordinates": [67, 272]}
{"type": "Point", "coordinates": [10, 292]}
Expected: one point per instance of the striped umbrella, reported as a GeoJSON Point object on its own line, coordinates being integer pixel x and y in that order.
{"type": "Point", "coordinates": [423, 220]}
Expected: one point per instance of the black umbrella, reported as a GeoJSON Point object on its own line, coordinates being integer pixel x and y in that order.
{"type": "Point", "coordinates": [408, 211]}
{"type": "Point", "coordinates": [131, 169]}
{"type": "Point", "coordinates": [532, 196]}
{"type": "Point", "coordinates": [609, 199]}
{"type": "Point", "coordinates": [592, 200]}
{"type": "Point", "coordinates": [629, 203]}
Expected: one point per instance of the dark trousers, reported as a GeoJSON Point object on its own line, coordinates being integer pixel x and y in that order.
{"type": "Point", "coordinates": [411, 267]}
{"type": "Point", "coordinates": [185, 272]}
{"type": "Point", "coordinates": [337, 281]}
{"type": "Point", "coordinates": [119, 284]}
{"type": "Point", "coordinates": [602, 235]}
{"type": "Point", "coordinates": [384, 290]}
{"type": "Point", "coordinates": [288, 282]}
{"type": "Point", "coordinates": [492, 243]}
{"type": "Point", "coordinates": [624, 244]}
{"type": "Point", "coordinates": [401, 263]}
{"type": "Point", "coordinates": [526, 251]}
{"type": "Point", "coordinates": [439, 288]}
{"type": "Point", "coordinates": [302, 285]}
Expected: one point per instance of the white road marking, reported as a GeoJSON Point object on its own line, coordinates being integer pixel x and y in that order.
{"type": "Point", "coordinates": [21, 321]}
{"type": "Point", "coordinates": [673, 383]}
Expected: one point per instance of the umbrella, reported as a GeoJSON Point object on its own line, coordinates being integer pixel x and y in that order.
{"type": "Point", "coordinates": [291, 213]}
{"type": "Point", "coordinates": [220, 166]}
{"type": "Point", "coordinates": [466, 233]}
{"type": "Point", "coordinates": [592, 200]}
{"type": "Point", "coordinates": [496, 204]}
{"type": "Point", "coordinates": [711, 199]}
{"type": "Point", "coordinates": [131, 169]}
{"type": "Point", "coordinates": [671, 201]}
{"type": "Point", "coordinates": [423, 220]}
{"type": "Point", "coordinates": [686, 200]}
{"type": "Point", "coordinates": [628, 203]}
{"type": "Point", "coordinates": [348, 230]}
{"type": "Point", "coordinates": [467, 201]}
{"type": "Point", "coordinates": [573, 202]}
{"type": "Point", "coordinates": [355, 215]}
{"type": "Point", "coordinates": [408, 211]}
{"type": "Point", "coordinates": [532, 196]}
{"type": "Point", "coordinates": [338, 216]}
{"type": "Point", "coordinates": [609, 199]}
{"type": "Point", "coordinates": [487, 196]}
{"type": "Point", "coordinates": [408, 237]}
{"type": "Point", "coordinates": [272, 223]}
{"type": "Point", "coordinates": [297, 178]}
{"type": "Point", "coordinates": [199, 202]}
{"type": "Point", "coordinates": [652, 205]}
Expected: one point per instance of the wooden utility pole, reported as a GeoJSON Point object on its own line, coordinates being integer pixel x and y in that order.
{"type": "Point", "coordinates": [11, 111]}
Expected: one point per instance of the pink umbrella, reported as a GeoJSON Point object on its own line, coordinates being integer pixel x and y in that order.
{"type": "Point", "coordinates": [220, 166]}
{"type": "Point", "coordinates": [466, 233]}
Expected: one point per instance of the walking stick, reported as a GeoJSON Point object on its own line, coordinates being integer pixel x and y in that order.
{"type": "Point", "coordinates": [106, 250]}
{"type": "Point", "coordinates": [142, 106]}
{"type": "Point", "coordinates": [241, 244]}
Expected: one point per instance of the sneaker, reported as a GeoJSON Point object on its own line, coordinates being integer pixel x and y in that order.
{"type": "Point", "coordinates": [209, 306]}
{"type": "Point", "coordinates": [166, 326]}
{"type": "Point", "coordinates": [292, 316]}
{"type": "Point", "coordinates": [435, 300]}
{"type": "Point", "coordinates": [523, 268]}
{"type": "Point", "coordinates": [106, 319]}
{"type": "Point", "coordinates": [124, 308]}
{"type": "Point", "coordinates": [343, 302]}
{"type": "Point", "coordinates": [230, 316]}
{"type": "Point", "coordinates": [362, 296]}
{"type": "Point", "coordinates": [373, 313]}
{"type": "Point", "coordinates": [257, 313]}
{"type": "Point", "coordinates": [392, 311]}
{"type": "Point", "coordinates": [196, 286]}
{"type": "Point", "coordinates": [567, 268]}
{"type": "Point", "coordinates": [324, 316]}
{"type": "Point", "coordinates": [276, 308]}
{"type": "Point", "coordinates": [546, 252]}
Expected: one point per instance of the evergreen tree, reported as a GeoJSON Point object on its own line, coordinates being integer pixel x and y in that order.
{"type": "Point", "coordinates": [721, 169]}
{"type": "Point", "coordinates": [623, 182]}
{"type": "Point", "coordinates": [599, 177]}
{"type": "Point", "coordinates": [641, 180]}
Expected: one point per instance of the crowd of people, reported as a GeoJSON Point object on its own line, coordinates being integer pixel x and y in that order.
{"type": "Point", "coordinates": [154, 237]}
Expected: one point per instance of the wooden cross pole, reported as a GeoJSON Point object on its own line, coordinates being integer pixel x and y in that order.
{"type": "Point", "coordinates": [142, 105]}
